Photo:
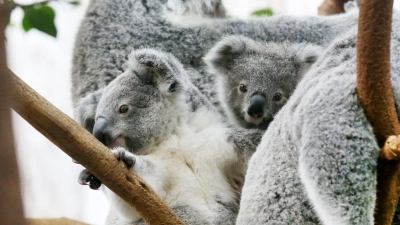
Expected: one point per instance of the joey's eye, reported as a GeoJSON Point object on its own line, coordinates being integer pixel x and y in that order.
{"type": "Point", "coordinates": [123, 109]}
{"type": "Point", "coordinates": [277, 97]}
{"type": "Point", "coordinates": [242, 88]}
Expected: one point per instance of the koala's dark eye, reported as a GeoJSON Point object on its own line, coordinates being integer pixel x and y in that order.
{"type": "Point", "coordinates": [277, 97]}
{"type": "Point", "coordinates": [173, 86]}
{"type": "Point", "coordinates": [242, 88]}
{"type": "Point", "coordinates": [123, 109]}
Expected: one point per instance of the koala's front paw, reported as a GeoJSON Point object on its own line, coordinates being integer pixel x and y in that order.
{"type": "Point", "coordinates": [126, 157]}
{"type": "Point", "coordinates": [85, 178]}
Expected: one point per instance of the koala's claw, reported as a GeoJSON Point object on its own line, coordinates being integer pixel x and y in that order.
{"type": "Point", "coordinates": [95, 183]}
{"type": "Point", "coordinates": [86, 178]}
{"type": "Point", "coordinates": [125, 156]}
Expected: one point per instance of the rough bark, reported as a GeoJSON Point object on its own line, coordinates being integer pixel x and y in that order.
{"type": "Point", "coordinates": [11, 211]}
{"type": "Point", "coordinates": [60, 221]}
{"type": "Point", "coordinates": [391, 150]}
{"type": "Point", "coordinates": [331, 7]}
{"type": "Point", "coordinates": [376, 96]}
{"type": "Point", "coordinates": [83, 147]}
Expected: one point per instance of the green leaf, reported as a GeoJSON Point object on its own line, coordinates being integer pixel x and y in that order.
{"type": "Point", "coordinates": [74, 2]}
{"type": "Point", "coordinates": [263, 12]}
{"type": "Point", "coordinates": [40, 17]}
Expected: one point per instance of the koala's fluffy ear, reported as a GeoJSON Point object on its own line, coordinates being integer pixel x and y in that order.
{"type": "Point", "coordinates": [220, 57]}
{"type": "Point", "coordinates": [85, 110]}
{"type": "Point", "coordinates": [158, 68]}
{"type": "Point", "coordinates": [306, 55]}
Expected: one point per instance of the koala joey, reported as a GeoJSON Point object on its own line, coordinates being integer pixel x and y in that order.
{"type": "Point", "coordinates": [157, 122]}
{"type": "Point", "coordinates": [256, 79]}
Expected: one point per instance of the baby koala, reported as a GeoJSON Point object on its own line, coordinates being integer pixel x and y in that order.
{"type": "Point", "coordinates": [160, 125]}
{"type": "Point", "coordinates": [256, 79]}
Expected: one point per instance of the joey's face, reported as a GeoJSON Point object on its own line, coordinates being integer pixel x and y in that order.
{"type": "Point", "coordinates": [143, 105]}
{"type": "Point", "coordinates": [255, 78]}
{"type": "Point", "coordinates": [259, 89]}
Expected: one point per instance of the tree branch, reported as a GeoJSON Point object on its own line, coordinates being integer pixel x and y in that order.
{"type": "Point", "coordinates": [331, 7]}
{"type": "Point", "coordinates": [375, 94]}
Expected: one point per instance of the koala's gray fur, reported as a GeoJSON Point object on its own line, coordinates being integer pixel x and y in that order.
{"type": "Point", "coordinates": [268, 70]}
{"type": "Point", "coordinates": [172, 137]}
{"type": "Point", "coordinates": [316, 163]}
{"type": "Point", "coordinates": [111, 28]}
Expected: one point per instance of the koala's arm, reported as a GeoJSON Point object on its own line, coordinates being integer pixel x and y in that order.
{"type": "Point", "coordinates": [149, 169]}
{"type": "Point", "coordinates": [338, 152]}
{"type": "Point", "coordinates": [338, 168]}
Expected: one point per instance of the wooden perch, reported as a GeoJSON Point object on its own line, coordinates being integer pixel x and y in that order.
{"type": "Point", "coordinates": [376, 96]}
{"type": "Point", "coordinates": [391, 149]}
{"type": "Point", "coordinates": [83, 147]}
{"type": "Point", "coordinates": [331, 7]}
{"type": "Point", "coordinates": [11, 211]}
{"type": "Point", "coordinates": [60, 221]}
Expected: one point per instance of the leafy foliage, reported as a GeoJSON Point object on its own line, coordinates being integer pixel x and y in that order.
{"type": "Point", "coordinates": [263, 12]}
{"type": "Point", "coordinates": [41, 18]}
{"type": "Point", "coordinates": [40, 15]}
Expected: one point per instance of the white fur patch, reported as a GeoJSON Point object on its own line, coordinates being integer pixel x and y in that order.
{"type": "Point", "coordinates": [191, 167]}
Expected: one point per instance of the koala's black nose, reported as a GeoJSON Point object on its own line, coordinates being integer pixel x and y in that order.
{"type": "Point", "coordinates": [257, 105]}
{"type": "Point", "coordinates": [100, 131]}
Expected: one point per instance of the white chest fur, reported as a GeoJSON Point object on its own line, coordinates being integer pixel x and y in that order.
{"type": "Point", "coordinates": [192, 167]}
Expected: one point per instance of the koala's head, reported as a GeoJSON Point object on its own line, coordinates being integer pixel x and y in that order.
{"type": "Point", "coordinates": [142, 105]}
{"type": "Point", "coordinates": [256, 79]}
{"type": "Point", "coordinates": [208, 8]}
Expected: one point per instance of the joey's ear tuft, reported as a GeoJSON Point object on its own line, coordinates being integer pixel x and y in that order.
{"type": "Point", "coordinates": [85, 110]}
{"type": "Point", "coordinates": [305, 56]}
{"type": "Point", "coordinates": [307, 53]}
{"type": "Point", "coordinates": [221, 56]}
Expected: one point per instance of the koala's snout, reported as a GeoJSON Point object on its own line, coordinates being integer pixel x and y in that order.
{"type": "Point", "coordinates": [257, 105]}
{"type": "Point", "coordinates": [100, 131]}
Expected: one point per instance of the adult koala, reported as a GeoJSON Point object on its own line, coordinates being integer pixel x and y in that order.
{"type": "Point", "coordinates": [173, 137]}
{"type": "Point", "coordinates": [112, 28]}
{"type": "Point", "coordinates": [255, 79]}
{"type": "Point", "coordinates": [317, 161]}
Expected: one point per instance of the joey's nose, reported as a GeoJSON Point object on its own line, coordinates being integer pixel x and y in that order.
{"type": "Point", "coordinates": [257, 105]}
{"type": "Point", "coordinates": [100, 131]}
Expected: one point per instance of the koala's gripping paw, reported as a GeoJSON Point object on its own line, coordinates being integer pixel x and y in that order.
{"type": "Point", "coordinates": [126, 157]}
{"type": "Point", "coordinates": [86, 178]}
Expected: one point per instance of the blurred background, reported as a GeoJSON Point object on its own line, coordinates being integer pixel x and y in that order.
{"type": "Point", "coordinates": [49, 177]}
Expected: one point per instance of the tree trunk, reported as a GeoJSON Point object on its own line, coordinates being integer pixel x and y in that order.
{"type": "Point", "coordinates": [11, 211]}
